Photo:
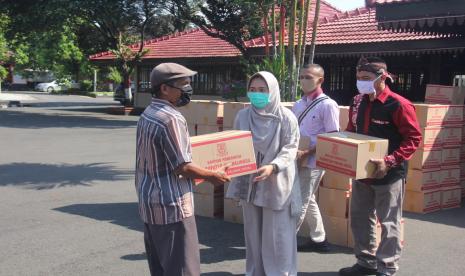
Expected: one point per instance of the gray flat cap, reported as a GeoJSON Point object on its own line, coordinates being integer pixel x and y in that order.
{"type": "Point", "coordinates": [168, 71]}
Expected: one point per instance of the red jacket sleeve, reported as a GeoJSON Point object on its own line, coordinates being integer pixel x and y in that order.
{"type": "Point", "coordinates": [405, 119]}
{"type": "Point", "coordinates": [350, 125]}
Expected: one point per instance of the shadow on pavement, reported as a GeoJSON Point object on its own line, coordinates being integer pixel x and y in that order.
{"type": "Point", "coordinates": [224, 241]}
{"type": "Point", "coordinates": [135, 257]}
{"type": "Point", "coordinates": [318, 273]}
{"type": "Point", "coordinates": [453, 217]}
{"type": "Point", "coordinates": [124, 214]}
{"type": "Point", "coordinates": [72, 104]}
{"type": "Point", "coordinates": [16, 119]}
{"type": "Point", "coordinates": [219, 274]}
{"type": "Point", "coordinates": [41, 176]}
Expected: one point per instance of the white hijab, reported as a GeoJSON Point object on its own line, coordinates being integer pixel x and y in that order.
{"type": "Point", "coordinates": [266, 123]}
{"type": "Point", "coordinates": [275, 134]}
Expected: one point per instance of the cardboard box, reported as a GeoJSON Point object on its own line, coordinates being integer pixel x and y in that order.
{"type": "Point", "coordinates": [426, 159]}
{"type": "Point", "coordinates": [422, 202]}
{"type": "Point", "coordinates": [423, 180]}
{"type": "Point", "coordinates": [452, 136]}
{"type": "Point", "coordinates": [334, 180]}
{"type": "Point", "coordinates": [463, 133]}
{"type": "Point", "coordinates": [232, 208]}
{"type": "Point", "coordinates": [192, 128]}
{"type": "Point", "coordinates": [441, 94]}
{"type": "Point", "coordinates": [431, 137]}
{"type": "Point", "coordinates": [450, 156]}
{"type": "Point", "coordinates": [462, 183]}
{"type": "Point", "coordinates": [208, 112]}
{"type": "Point", "coordinates": [207, 188]}
{"type": "Point", "coordinates": [230, 110]}
{"type": "Point", "coordinates": [336, 230]}
{"type": "Point", "coordinates": [454, 116]}
{"type": "Point", "coordinates": [233, 211]}
{"type": "Point", "coordinates": [343, 117]}
{"type": "Point", "coordinates": [462, 153]}
{"type": "Point", "coordinates": [304, 144]}
{"type": "Point", "coordinates": [208, 205]}
{"type": "Point", "coordinates": [232, 149]}
{"type": "Point", "coordinates": [349, 153]}
{"type": "Point", "coordinates": [451, 197]}
{"type": "Point", "coordinates": [333, 202]}
{"type": "Point", "coordinates": [188, 111]}
{"type": "Point", "coordinates": [205, 129]}
{"type": "Point", "coordinates": [429, 115]}
{"type": "Point", "coordinates": [462, 170]}
{"type": "Point", "coordinates": [450, 176]}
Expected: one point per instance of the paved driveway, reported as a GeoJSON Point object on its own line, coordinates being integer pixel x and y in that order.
{"type": "Point", "coordinates": [68, 204]}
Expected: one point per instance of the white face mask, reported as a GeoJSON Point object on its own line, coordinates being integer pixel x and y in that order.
{"type": "Point", "coordinates": [367, 87]}
{"type": "Point", "coordinates": [308, 85]}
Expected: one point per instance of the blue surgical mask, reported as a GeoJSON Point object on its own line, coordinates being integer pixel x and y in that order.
{"type": "Point", "coordinates": [258, 99]}
{"type": "Point", "coordinates": [367, 87]}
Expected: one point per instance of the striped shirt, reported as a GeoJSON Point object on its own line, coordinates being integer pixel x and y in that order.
{"type": "Point", "coordinates": [162, 145]}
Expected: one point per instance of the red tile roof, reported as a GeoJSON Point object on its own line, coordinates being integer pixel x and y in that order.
{"type": "Point", "coordinates": [326, 10]}
{"type": "Point", "coordinates": [357, 26]}
{"type": "Point", "coordinates": [194, 43]}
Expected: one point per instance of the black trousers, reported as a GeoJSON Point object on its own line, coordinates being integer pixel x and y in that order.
{"type": "Point", "coordinates": [173, 249]}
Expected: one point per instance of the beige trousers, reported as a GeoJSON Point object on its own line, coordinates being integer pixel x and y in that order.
{"type": "Point", "coordinates": [309, 182]}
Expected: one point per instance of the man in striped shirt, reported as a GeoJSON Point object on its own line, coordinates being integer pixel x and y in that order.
{"type": "Point", "coordinates": [164, 173]}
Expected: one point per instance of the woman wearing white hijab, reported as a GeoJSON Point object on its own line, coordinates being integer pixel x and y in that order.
{"type": "Point", "coordinates": [271, 198]}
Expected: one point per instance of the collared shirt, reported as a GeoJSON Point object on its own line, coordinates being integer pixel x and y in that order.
{"type": "Point", "coordinates": [392, 117]}
{"type": "Point", "coordinates": [162, 145]}
{"type": "Point", "coordinates": [322, 118]}
{"type": "Point", "coordinates": [315, 94]}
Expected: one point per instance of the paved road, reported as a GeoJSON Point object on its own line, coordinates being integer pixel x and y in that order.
{"type": "Point", "coordinates": [68, 204]}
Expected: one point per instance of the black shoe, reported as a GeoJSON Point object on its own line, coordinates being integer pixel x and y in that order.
{"type": "Point", "coordinates": [312, 246]}
{"type": "Point", "coordinates": [357, 270]}
{"type": "Point", "coordinates": [381, 274]}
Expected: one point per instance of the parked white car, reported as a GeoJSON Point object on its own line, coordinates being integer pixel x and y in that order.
{"type": "Point", "coordinates": [48, 87]}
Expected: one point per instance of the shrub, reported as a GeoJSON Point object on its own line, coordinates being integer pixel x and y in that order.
{"type": "Point", "coordinates": [87, 85]}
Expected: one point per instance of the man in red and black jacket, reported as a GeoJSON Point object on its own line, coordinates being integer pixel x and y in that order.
{"type": "Point", "coordinates": [379, 112]}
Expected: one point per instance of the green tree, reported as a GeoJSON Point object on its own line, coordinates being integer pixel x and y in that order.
{"type": "Point", "coordinates": [234, 21]}
{"type": "Point", "coordinates": [3, 48]}
{"type": "Point", "coordinates": [68, 31]}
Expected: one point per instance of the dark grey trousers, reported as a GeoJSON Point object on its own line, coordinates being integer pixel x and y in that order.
{"type": "Point", "coordinates": [385, 203]}
{"type": "Point", "coordinates": [173, 249]}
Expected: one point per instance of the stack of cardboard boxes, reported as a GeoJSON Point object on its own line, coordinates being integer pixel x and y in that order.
{"type": "Point", "coordinates": [203, 117]}
{"type": "Point", "coordinates": [453, 171]}
{"type": "Point", "coordinates": [423, 187]}
{"type": "Point", "coordinates": [462, 158]}
{"type": "Point", "coordinates": [434, 176]}
{"type": "Point", "coordinates": [230, 111]}
{"type": "Point", "coordinates": [450, 167]}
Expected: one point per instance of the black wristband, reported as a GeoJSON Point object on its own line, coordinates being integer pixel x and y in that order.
{"type": "Point", "coordinates": [275, 168]}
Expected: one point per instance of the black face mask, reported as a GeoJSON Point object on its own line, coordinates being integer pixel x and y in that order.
{"type": "Point", "coordinates": [185, 98]}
